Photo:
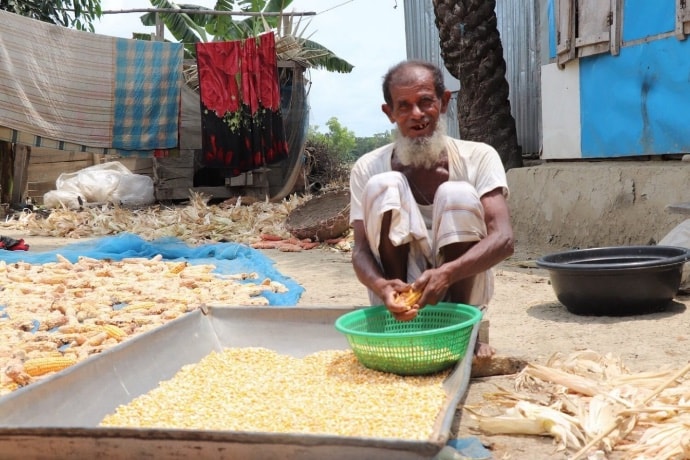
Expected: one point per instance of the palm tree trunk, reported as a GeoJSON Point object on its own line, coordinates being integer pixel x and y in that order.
{"type": "Point", "coordinates": [472, 52]}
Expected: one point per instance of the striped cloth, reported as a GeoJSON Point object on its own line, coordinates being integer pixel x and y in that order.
{"type": "Point", "coordinates": [18, 137]}
{"type": "Point", "coordinates": [64, 88]}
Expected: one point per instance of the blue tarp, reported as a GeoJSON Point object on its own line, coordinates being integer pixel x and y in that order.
{"type": "Point", "coordinates": [229, 258]}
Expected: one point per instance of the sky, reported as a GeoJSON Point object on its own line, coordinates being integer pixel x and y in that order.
{"type": "Point", "coordinates": [368, 34]}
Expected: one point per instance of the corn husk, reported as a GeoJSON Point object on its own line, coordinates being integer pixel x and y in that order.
{"type": "Point", "coordinates": [607, 408]}
{"type": "Point", "coordinates": [529, 418]}
{"type": "Point", "coordinates": [195, 222]}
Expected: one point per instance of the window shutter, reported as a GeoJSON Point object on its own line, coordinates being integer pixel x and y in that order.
{"type": "Point", "coordinates": [682, 18]}
{"type": "Point", "coordinates": [598, 27]}
{"type": "Point", "coordinates": [565, 31]}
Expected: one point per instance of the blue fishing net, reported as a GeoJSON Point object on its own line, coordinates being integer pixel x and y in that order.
{"type": "Point", "coordinates": [229, 258]}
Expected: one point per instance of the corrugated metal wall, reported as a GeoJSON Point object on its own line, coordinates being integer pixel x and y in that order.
{"type": "Point", "coordinates": [421, 36]}
{"type": "Point", "coordinates": [518, 28]}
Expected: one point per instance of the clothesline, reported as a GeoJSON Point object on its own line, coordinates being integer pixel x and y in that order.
{"type": "Point", "coordinates": [208, 12]}
{"type": "Point", "coordinates": [91, 90]}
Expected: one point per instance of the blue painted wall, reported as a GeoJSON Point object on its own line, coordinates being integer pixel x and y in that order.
{"type": "Point", "coordinates": [636, 103]}
{"type": "Point", "coordinates": [551, 12]}
{"type": "Point", "coordinates": [646, 18]}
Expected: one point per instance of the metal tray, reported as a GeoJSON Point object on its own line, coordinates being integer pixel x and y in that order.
{"type": "Point", "coordinates": [59, 416]}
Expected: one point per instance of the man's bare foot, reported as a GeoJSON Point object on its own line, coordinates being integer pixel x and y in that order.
{"type": "Point", "coordinates": [483, 350]}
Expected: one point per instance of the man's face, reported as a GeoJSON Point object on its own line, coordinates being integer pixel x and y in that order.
{"type": "Point", "coordinates": [416, 108]}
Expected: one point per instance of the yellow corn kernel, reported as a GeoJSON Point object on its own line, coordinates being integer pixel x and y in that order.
{"type": "Point", "coordinates": [328, 392]}
{"type": "Point", "coordinates": [41, 366]}
{"type": "Point", "coordinates": [177, 268]}
{"type": "Point", "coordinates": [114, 332]}
{"type": "Point", "coordinates": [408, 298]}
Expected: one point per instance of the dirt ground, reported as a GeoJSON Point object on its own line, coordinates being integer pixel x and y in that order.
{"type": "Point", "coordinates": [526, 321]}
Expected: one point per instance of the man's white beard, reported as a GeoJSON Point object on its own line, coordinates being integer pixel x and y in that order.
{"type": "Point", "coordinates": [424, 152]}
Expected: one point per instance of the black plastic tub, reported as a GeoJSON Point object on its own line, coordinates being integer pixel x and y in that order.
{"type": "Point", "coordinates": [617, 280]}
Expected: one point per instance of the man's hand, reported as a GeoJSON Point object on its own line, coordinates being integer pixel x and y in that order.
{"type": "Point", "coordinates": [403, 302]}
{"type": "Point", "coordinates": [434, 284]}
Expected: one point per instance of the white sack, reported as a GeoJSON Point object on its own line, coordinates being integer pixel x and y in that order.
{"type": "Point", "coordinates": [109, 182]}
{"type": "Point", "coordinates": [62, 199]}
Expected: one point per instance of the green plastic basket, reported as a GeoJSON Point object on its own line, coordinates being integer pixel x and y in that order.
{"type": "Point", "coordinates": [435, 340]}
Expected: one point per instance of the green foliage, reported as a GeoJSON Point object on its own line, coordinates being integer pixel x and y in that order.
{"type": "Point", "coordinates": [330, 155]}
{"type": "Point", "coordinates": [323, 58]}
{"type": "Point", "coordinates": [342, 139]}
{"type": "Point", "coordinates": [367, 144]}
{"type": "Point", "coordinates": [191, 28]}
{"type": "Point", "coordinates": [339, 141]}
{"type": "Point", "coordinates": [79, 14]}
{"type": "Point", "coordinates": [343, 144]}
{"type": "Point", "coordinates": [228, 29]}
{"type": "Point", "coordinates": [316, 137]}
{"type": "Point", "coordinates": [187, 28]}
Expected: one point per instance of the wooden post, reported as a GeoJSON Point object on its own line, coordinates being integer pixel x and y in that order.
{"type": "Point", "coordinates": [6, 171]}
{"type": "Point", "coordinates": [160, 28]}
{"type": "Point", "coordinates": [22, 154]}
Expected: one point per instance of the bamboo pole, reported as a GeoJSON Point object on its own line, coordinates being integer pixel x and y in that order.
{"type": "Point", "coordinates": [208, 12]}
{"type": "Point", "coordinates": [620, 417]}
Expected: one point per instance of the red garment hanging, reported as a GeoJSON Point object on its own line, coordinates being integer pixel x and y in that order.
{"type": "Point", "coordinates": [242, 124]}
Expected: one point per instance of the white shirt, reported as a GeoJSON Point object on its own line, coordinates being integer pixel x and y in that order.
{"type": "Point", "coordinates": [474, 162]}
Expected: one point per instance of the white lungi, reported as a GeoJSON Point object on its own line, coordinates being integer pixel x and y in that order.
{"type": "Point", "coordinates": [457, 216]}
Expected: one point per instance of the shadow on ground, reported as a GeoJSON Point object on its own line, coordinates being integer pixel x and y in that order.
{"type": "Point", "coordinates": [556, 312]}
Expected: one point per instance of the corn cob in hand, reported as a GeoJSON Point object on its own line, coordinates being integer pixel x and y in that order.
{"type": "Point", "coordinates": [408, 298]}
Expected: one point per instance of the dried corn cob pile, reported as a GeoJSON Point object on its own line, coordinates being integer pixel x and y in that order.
{"type": "Point", "coordinates": [63, 312]}
{"type": "Point", "coordinates": [194, 223]}
{"type": "Point", "coordinates": [256, 389]}
{"type": "Point", "coordinates": [197, 222]}
{"type": "Point", "coordinates": [594, 407]}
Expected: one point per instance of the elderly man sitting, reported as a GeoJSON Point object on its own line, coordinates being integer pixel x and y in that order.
{"type": "Point", "coordinates": [428, 211]}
